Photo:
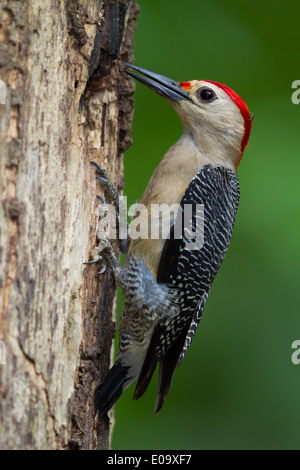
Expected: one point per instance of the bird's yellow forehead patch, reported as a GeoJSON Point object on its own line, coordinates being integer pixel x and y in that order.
{"type": "Point", "coordinates": [186, 85]}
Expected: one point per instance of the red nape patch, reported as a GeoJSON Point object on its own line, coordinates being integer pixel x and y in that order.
{"type": "Point", "coordinates": [243, 109]}
{"type": "Point", "coordinates": [186, 85]}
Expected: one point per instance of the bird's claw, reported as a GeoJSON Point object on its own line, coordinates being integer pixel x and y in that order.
{"type": "Point", "coordinates": [93, 261]}
{"type": "Point", "coordinates": [101, 200]}
{"type": "Point", "coordinates": [99, 168]}
{"type": "Point", "coordinates": [103, 253]}
{"type": "Point", "coordinates": [104, 267]}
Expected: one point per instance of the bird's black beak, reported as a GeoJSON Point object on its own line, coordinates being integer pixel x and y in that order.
{"type": "Point", "coordinates": [164, 86]}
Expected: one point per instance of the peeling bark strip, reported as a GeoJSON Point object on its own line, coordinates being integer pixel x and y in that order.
{"type": "Point", "coordinates": [66, 103]}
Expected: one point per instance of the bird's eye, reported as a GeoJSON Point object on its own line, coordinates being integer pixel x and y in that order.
{"type": "Point", "coordinates": [206, 95]}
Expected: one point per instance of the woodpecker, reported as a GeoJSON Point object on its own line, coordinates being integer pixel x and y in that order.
{"type": "Point", "coordinates": [166, 284]}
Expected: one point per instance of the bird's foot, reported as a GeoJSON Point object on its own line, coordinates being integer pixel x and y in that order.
{"type": "Point", "coordinates": [107, 184]}
{"type": "Point", "coordinates": [104, 254]}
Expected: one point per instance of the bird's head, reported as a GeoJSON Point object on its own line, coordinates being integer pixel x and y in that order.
{"type": "Point", "coordinates": [215, 116]}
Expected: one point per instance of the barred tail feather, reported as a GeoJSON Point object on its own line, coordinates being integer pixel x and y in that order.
{"type": "Point", "coordinates": [148, 367]}
{"type": "Point", "coordinates": [167, 368]}
{"type": "Point", "coordinates": [108, 392]}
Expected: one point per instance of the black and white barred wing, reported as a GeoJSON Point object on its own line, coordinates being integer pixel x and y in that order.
{"type": "Point", "coordinates": [189, 264]}
{"type": "Point", "coordinates": [217, 191]}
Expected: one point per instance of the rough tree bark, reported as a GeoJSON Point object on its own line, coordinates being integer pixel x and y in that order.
{"type": "Point", "coordinates": [67, 103]}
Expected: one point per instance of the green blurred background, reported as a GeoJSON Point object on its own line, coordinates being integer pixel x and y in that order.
{"type": "Point", "coordinates": [237, 386]}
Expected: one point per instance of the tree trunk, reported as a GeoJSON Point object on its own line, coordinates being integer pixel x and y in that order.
{"type": "Point", "coordinates": [66, 104]}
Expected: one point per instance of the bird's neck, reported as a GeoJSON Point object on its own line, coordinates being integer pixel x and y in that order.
{"type": "Point", "coordinates": [167, 186]}
{"type": "Point", "coordinates": [215, 148]}
{"type": "Point", "coordinates": [180, 164]}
